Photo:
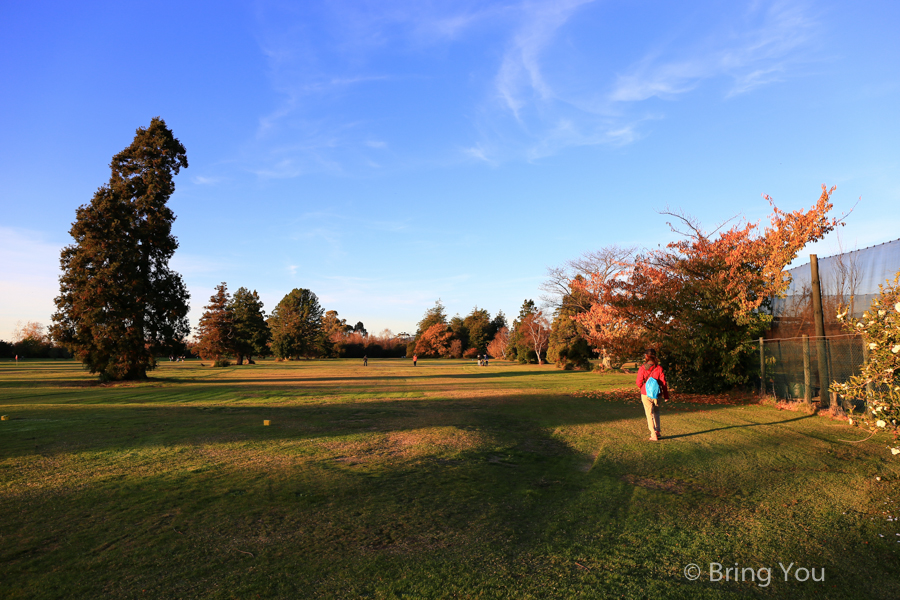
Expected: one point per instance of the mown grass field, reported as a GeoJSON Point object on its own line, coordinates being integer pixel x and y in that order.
{"type": "Point", "coordinates": [443, 481]}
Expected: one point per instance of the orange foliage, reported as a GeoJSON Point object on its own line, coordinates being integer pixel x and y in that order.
{"type": "Point", "coordinates": [435, 341]}
{"type": "Point", "coordinates": [536, 332]}
{"type": "Point", "coordinates": [699, 284]}
{"type": "Point", "coordinates": [497, 347]}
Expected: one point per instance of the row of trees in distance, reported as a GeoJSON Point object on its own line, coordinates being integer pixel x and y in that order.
{"type": "Point", "coordinates": [701, 300]}
{"type": "Point", "coordinates": [31, 341]}
{"type": "Point", "coordinates": [237, 326]}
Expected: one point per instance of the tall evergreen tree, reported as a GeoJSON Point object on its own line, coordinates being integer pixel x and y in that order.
{"type": "Point", "coordinates": [333, 330]}
{"type": "Point", "coordinates": [459, 330]}
{"type": "Point", "coordinates": [434, 315]}
{"type": "Point", "coordinates": [480, 328]}
{"type": "Point", "coordinates": [296, 325]}
{"type": "Point", "coordinates": [215, 334]}
{"type": "Point", "coordinates": [251, 333]}
{"type": "Point", "coordinates": [119, 303]}
{"type": "Point", "coordinates": [568, 344]}
{"type": "Point", "coordinates": [517, 347]}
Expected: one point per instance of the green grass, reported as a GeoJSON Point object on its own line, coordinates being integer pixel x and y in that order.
{"type": "Point", "coordinates": [442, 481]}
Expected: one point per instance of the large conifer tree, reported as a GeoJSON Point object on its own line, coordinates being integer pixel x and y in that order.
{"type": "Point", "coordinates": [296, 325]}
{"type": "Point", "coordinates": [119, 303]}
{"type": "Point", "coordinates": [251, 333]}
{"type": "Point", "coordinates": [215, 335]}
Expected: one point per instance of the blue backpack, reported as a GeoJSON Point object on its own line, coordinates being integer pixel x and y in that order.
{"type": "Point", "coordinates": [652, 388]}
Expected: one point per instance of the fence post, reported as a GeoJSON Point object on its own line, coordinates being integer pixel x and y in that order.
{"type": "Point", "coordinates": [819, 315]}
{"type": "Point", "coordinates": [807, 372]}
{"type": "Point", "coordinates": [762, 369]}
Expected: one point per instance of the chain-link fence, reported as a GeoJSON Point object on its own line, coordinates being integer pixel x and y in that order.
{"type": "Point", "coordinates": [793, 368]}
{"type": "Point", "coordinates": [798, 365]}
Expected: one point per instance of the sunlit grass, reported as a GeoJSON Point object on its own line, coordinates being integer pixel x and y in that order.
{"type": "Point", "coordinates": [444, 480]}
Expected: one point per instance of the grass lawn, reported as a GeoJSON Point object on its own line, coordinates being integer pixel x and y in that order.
{"type": "Point", "coordinates": [442, 481]}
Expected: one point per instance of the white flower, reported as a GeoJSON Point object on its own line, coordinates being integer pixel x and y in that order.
{"type": "Point", "coordinates": [895, 451]}
{"type": "Point", "coordinates": [896, 349]}
{"type": "Point", "coordinates": [859, 324]}
{"type": "Point", "coordinates": [880, 423]}
{"type": "Point", "coordinates": [850, 420]}
{"type": "Point", "coordinates": [872, 346]}
{"type": "Point", "coordinates": [880, 313]}
{"type": "Point", "coordinates": [897, 307]}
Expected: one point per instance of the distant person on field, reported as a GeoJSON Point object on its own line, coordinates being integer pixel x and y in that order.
{"type": "Point", "coordinates": [365, 360]}
{"type": "Point", "coordinates": [415, 358]}
{"type": "Point", "coordinates": [649, 369]}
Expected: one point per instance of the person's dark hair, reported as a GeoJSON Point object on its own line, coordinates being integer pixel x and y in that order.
{"type": "Point", "coordinates": [650, 356]}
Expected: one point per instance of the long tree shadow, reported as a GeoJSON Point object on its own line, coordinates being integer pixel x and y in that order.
{"type": "Point", "coordinates": [54, 429]}
{"type": "Point", "coordinates": [503, 512]}
{"type": "Point", "coordinates": [225, 381]}
{"type": "Point", "coordinates": [693, 433]}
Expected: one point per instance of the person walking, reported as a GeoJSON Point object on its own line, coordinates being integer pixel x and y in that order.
{"type": "Point", "coordinates": [651, 391]}
{"type": "Point", "coordinates": [415, 358]}
{"type": "Point", "coordinates": [365, 360]}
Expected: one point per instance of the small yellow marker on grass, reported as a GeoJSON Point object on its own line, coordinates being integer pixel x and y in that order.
{"type": "Point", "coordinates": [6, 418]}
{"type": "Point", "coordinates": [266, 422]}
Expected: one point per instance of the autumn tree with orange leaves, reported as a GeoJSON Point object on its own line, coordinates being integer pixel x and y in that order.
{"type": "Point", "coordinates": [434, 341]}
{"type": "Point", "coordinates": [703, 299]}
{"type": "Point", "coordinates": [535, 330]}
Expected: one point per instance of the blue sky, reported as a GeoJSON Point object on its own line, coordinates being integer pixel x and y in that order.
{"type": "Point", "coordinates": [387, 154]}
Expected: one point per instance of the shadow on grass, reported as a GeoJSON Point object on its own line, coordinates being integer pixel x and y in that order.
{"type": "Point", "coordinates": [91, 427]}
{"type": "Point", "coordinates": [273, 378]}
{"type": "Point", "coordinates": [516, 514]}
{"type": "Point", "coordinates": [693, 433]}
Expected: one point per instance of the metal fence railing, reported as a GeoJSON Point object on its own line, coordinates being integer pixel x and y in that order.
{"type": "Point", "coordinates": [792, 369]}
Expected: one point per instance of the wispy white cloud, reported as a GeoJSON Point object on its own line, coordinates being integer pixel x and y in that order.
{"type": "Point", "coordinates": [521, 77]}
{"type": "Point", "coordinates": [333, 65]}
{"type": "Point", "coordinates": [201, 180]}
{"type": "Point", "coordinates": [758, 51]}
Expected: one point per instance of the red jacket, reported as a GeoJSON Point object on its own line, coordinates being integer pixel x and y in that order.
{"type": "Point", "coordinates": [647, 371]}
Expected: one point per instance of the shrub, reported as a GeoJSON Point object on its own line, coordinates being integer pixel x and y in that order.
{"type": "Point", "coordinates": [222, 362]}
{"type": "Point", "coordinates": [879, 382]}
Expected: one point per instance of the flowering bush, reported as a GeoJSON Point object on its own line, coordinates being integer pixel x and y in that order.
{"type": "Point", "coordinates": [879, 382]}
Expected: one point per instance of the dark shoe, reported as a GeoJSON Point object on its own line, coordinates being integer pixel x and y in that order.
{"type": "Point", "coordinates": [654, 437]}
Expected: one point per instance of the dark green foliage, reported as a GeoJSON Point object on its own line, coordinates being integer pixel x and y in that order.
{"type": "Point", "coordinates": [460, 332]}
{"type": "Point", "coordinates": [434, 315]}
{"type": "Point", "coordinates": [498, 322]}
{"type": "Point", "coordinates": [251, 333]}
{"type": "Point", "coordinates": [32, 348]}
{"type": "Point", "coordinates": [119, 303]}
{"type": "Point", "coordinates": [568, 347]}
{"type": "Point", "coordinates": [710, 352]}
{"type": "Point", "coordinates": [481, 330]}
{"type": "Point", "coordinates": [296, 325]}
{"type": "Point", "coordinates": [517, 348]}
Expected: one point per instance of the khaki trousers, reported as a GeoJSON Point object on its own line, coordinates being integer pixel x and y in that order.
{"type": "Point", "coordinates": [651, 409]}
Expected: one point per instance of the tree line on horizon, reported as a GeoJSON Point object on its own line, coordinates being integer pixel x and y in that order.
{"type": "Point", "coordinates": [237, 326]}
{"type": "Point", "coordinates": [700, 300]}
